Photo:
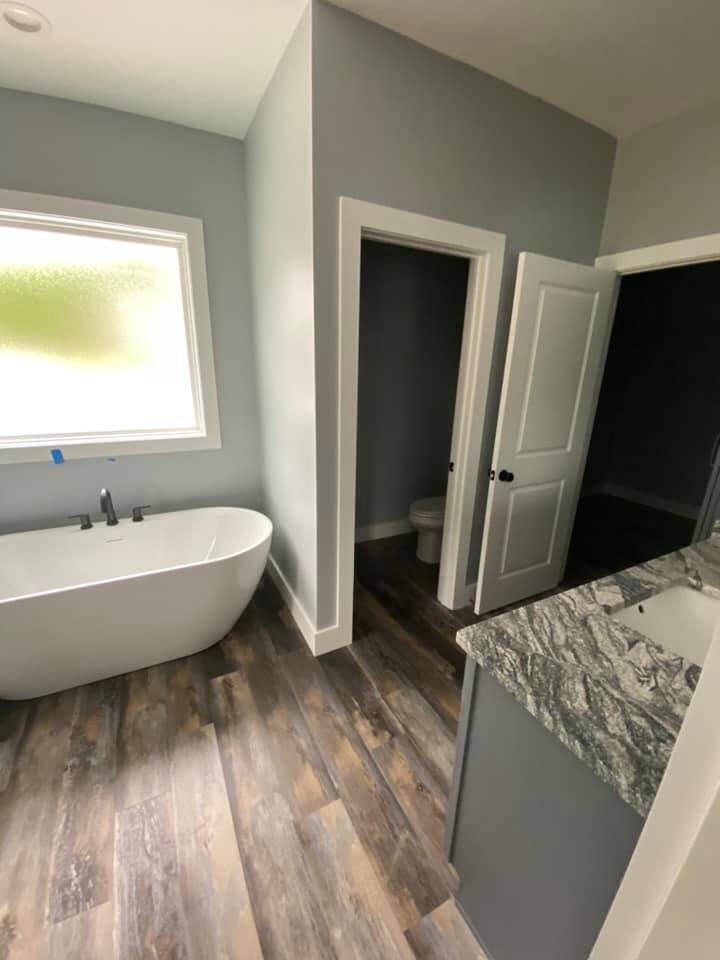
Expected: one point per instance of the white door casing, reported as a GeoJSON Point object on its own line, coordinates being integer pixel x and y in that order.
{"type": "Point", "coordinates": [561, 319]}
{"type": "Point", "coordinates": [485, 250]}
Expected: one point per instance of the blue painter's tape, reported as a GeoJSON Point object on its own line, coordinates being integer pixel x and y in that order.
{"type": "Point", "coordinates": [57, 456]}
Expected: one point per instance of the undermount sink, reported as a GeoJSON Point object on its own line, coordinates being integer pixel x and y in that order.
{"type": "Point", "coordinates": [680, 619]}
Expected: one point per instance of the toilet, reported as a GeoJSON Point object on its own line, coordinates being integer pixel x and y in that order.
{"type": "Point", "coordinates": [427, 517]}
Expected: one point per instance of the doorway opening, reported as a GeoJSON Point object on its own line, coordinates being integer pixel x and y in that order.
{"type": "Point", "coordinates": [412, 317]}
{"type": "Point", "coordinates": [651, 471]}
{"type": "Point", "coordinates": [481, 253]}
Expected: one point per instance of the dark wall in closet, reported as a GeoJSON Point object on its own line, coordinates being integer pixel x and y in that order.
{"type": "Point", "coordinates": [412, 311]}
{"type": "Point", "coordinates": [659, 409]}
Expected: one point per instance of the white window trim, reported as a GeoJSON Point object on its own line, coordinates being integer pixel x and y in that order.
{"type": "Point", "coordinates": [185, 234]}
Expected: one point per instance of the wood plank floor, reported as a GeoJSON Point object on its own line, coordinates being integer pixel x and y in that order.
{"type": "Point", "coordinates": [247, 802]}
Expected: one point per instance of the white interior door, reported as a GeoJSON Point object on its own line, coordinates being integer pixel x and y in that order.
{"type": "Point", "coordinates": [562, 313]}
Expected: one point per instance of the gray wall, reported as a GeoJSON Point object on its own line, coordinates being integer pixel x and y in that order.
{"type": "Point", "coordinates": [279, 178]}
{"type": "Point", "coordinates": [398, 124]}
{"type": "Point", "coordinates": [666, 183]}
{"type": "Point", "coordinates": [76, 150]}
{"type": "Point", "coordinates": [412, 311]}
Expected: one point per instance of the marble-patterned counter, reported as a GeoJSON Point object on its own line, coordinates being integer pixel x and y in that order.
{"type": "Point", "coordinates": [613, 697]}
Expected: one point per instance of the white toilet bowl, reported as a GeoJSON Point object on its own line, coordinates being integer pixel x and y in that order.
{"type": "Point", "coordinates": [427, 517]}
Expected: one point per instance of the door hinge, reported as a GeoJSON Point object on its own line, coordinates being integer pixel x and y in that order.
{"type": "Point", "coordinates": [451, 466]}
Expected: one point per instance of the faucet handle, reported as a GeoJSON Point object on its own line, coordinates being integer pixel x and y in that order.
{"type": "Point", "coordinates": [84, 518]}
{"type": "Point", "coordinates": [137, 512]}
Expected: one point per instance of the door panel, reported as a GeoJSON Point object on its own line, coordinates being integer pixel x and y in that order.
{"type": "Point", "coordinates": [531, 525]}
{"type": "Point", "coordinates": [556, 354]}
{"type": "Point", "coordinates": [554, 380]}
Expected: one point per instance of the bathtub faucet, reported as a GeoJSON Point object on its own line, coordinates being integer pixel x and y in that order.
{"type": "Point", "coordinates": [106, 506]}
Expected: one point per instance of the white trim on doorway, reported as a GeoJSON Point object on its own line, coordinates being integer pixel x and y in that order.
{"type": "Point", "coordinates": [485, 251]}
{"type": "Point", "coordinates": [679, 253]}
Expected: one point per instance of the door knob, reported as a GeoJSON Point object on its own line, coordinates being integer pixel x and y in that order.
{"type": "Point", "coordinates": [506, 476]}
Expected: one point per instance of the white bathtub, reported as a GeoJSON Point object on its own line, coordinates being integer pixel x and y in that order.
{"type": "Point", "coordinates": [80, 605]}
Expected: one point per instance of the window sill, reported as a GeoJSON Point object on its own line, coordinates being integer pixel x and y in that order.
{"type": "Point", "coordinates": [79, 449]}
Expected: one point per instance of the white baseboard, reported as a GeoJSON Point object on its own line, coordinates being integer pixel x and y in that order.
{"type": "Point", "coordinates": [377, 531]}
{"type": "Point", "coordinates": [297, 610]}
{"type": "Point", "coordinates": [320, 641]}
{"type": "Point", "coordinates": [645, 499]}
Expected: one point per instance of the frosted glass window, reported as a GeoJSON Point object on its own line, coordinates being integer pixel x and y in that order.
{"type": "Point", "coordinates": [97, 339]}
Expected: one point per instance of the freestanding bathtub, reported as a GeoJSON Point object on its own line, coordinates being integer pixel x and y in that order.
{"type": "Point", "coordinates": [80, 605]}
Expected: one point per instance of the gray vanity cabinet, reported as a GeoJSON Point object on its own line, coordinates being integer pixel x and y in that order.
{"type": "Point", "coordinates": [539, 842]}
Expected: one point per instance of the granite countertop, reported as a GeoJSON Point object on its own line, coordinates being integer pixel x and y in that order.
{"type": "Point", "coordinates": [612, 696]}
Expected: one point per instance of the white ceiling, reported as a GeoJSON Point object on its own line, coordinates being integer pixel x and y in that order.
{"type": "Point", "coordinates": [619, 64]}
{"type": "Point", "coordinates": [205, 64]}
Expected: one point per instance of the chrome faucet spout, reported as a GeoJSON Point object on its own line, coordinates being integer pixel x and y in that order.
{"type": "Point", "coordinates": [106, 506]}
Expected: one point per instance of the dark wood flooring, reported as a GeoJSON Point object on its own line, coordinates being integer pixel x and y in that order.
{"type": "Point", "coordinates": [247, 802]}
{"type": "Point", "coordinates": [611, 534]}
{"type": "Point", "coordinates": [406, 587]}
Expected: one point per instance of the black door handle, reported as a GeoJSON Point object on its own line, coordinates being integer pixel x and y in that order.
{"type": "Point", "coordinates": [506, 476]}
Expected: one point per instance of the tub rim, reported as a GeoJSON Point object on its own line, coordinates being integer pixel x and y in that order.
{"type": "Point", "coordinates": [146, 573]}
